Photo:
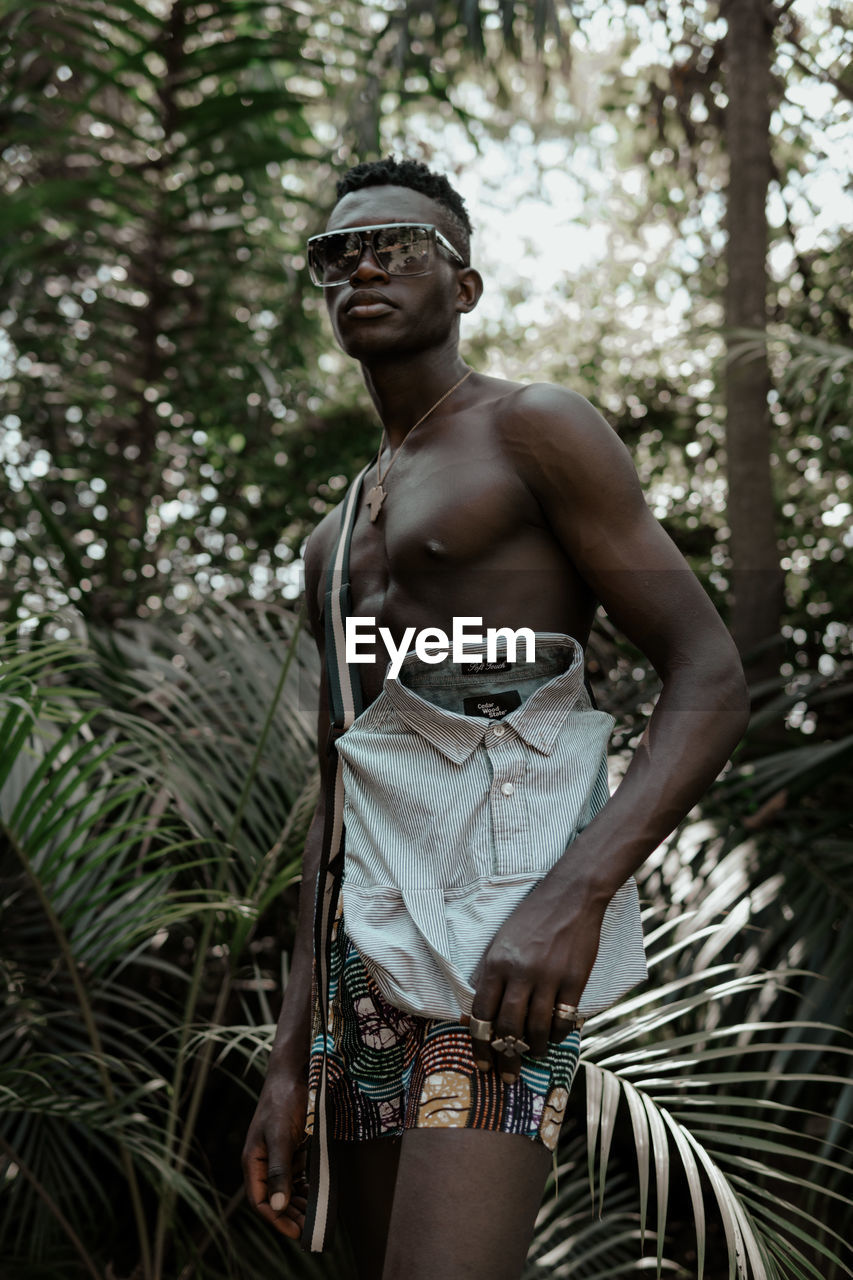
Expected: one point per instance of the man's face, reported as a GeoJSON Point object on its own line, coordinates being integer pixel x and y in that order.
{"type": "Point", "coordinates": [374, 313]}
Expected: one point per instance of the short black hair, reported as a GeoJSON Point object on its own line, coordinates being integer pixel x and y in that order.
{"type": "Point", "coordinates": [413, 173]}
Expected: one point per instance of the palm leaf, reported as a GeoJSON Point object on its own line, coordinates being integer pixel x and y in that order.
{"type": "Point", "coordinates": [678, 1085]}
{"type": "Point", "coordinates": [100, 859]}
{"type": "Point", "coordinates": [567, 1241]}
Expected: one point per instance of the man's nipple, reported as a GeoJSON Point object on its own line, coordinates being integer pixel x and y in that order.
{"type": "Point", "coordinates": [436, 548]}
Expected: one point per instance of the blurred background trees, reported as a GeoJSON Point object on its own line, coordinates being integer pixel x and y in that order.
{"type": "Point", "coordinates": [173, 423]}
{"type": "Point", "coordinates": [164, 165]}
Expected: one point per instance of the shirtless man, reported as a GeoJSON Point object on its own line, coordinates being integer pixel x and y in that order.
{"type": "Point", "coordinates": [517, 504]}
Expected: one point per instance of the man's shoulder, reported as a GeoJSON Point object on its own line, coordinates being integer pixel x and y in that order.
{"type": "Point", "coordinates": [547, 405]}
{"type": "Point", "coordinates": [321, 540]}
{"type": "Point", "coordinates": [541, 419]}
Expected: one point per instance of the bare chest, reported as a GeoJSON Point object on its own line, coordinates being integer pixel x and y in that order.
{"type": "Point", "coordinates": [444, 515]}
{"type": "Point", "coordinates": [459, 534]}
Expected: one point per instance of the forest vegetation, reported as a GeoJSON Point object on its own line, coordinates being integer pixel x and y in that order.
{"type": "Point", "coordinates": [174, 422]}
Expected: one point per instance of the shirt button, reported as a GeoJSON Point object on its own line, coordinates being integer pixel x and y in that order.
{"type": "Point", "coordinates": [507, 788]}
{"type": "Point", "coordinates": [498, 731]}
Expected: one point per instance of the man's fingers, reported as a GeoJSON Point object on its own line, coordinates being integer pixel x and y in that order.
{"type": "Point", "coordinates": [520, 1019]}
{"type": "Point", "coordinates": [286, 1224]}
{"type": "Point", "coordinates": [565, 1018]}
{"type": "Point", "coordinates": [487, 1000]}
{"type": "Point", "coordinates": [293, 1214]}
{"type": "Point", "coordinates": [262, 1187]}
{"type": "Point", "coordinates": [482, 1046]}
{"type": "Point", "coordinates": [274, 1156]}
{"type": "Point", "coordinates": [540, 1017]}
{"type": "Point", "coordinates": [508, 1066]}
{"type": "Point", "coordinates": [255, 1173]}
{"type": "Point", "coordinates": [509, 1043]}
{"type": "Point", "coordinates": [279, 1183]}
{"type": "Point", "coordinates": [287, 1180]}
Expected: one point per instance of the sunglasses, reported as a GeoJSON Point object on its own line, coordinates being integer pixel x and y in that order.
{"type": "Point", "coordinates": [400, 248]}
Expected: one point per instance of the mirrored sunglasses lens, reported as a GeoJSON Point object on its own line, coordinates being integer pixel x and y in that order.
{"type": "Point", "coordinates": [334, 257]}
{"type": "Point", "coordinates": [402, 251]}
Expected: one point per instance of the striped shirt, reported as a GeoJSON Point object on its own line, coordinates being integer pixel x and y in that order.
{"type": "Point", "coordinates": [462, 789]}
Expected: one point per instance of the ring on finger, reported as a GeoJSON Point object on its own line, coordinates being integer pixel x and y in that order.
{"type": "Point", "coordinates": [480, 1028]}
{"type": "Point", "coordinates": [569, 1013]}
{"type": "Point", "coordinates": [512, 1046]}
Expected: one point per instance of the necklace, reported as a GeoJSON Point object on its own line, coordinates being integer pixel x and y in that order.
{"type": "Point", "coordinates": [377, 494]}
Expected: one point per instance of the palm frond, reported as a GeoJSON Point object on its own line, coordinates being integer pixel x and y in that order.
{"type": "Point", "coordinates": [805, 363]}
{"type": "Point", "coordinates": [693, 1094]}
{"type": "Point", "coordinates": [568, 1242]}
{"type": "Point", "coordinates": [103, 865]}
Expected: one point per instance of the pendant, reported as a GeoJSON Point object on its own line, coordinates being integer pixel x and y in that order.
{"type": "Point", "coordinates": [375, 498]}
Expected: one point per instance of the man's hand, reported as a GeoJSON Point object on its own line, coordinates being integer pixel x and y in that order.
{"type": "Point", "coordinates": [542, 955]}
{"type": "Point", "coordinates": [275, 1152]}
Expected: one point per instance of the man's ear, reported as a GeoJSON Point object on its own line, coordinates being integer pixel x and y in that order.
{"type": "Point", "coordinates": [469, 289]}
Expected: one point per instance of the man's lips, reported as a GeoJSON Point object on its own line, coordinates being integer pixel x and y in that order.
{"type": "Point", "coordinates": [367, 302]}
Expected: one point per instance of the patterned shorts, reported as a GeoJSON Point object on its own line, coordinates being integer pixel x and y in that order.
{"type": "Point", "coordinates": [390, 1071]}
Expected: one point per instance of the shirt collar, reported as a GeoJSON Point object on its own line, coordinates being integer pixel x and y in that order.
{"type": "Point", "coordinates": [537, 721]}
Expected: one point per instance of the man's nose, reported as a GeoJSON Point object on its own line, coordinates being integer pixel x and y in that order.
{"type": "Point", "coordinates": [368, 266]}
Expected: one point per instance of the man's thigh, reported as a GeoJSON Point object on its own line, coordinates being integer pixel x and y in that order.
{"type": "Point", "coordinates": [366, 1174]}
{"type": "Point", "coordinates": [465, 1202]}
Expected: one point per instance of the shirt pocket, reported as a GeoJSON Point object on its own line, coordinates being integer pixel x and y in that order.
{"type": "Point", "coordinates": [515, 848]}
{"type": "Point", "coordinates": [551, 797]}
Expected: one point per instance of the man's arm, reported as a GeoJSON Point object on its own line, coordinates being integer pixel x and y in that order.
{"type": "Point", "coordinates": [583, 479]}
{"type": "Point", "coordinates": [272, 1160]}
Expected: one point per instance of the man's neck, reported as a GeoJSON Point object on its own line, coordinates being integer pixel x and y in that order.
{"type": "Point", "coordinates": [405, 389]}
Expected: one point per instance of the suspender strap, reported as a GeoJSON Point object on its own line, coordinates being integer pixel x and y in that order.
{"type": "Point", "coordinates": [345, 700]}
{"type": "Point", "coordinates": [345, 703]}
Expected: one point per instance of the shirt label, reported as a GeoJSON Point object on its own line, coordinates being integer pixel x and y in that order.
{"type": "Point", "coordinates": [494, 706]}
{"type": "Point", "coordinates": [480, 668]}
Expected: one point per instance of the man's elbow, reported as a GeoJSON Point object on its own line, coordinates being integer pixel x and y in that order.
{"type": "Point", "coordinates": [738, 703]}
{"type": "Point", "coordinates": [712, 684]}
{"type": "Point", "coordinates": [727, 683]}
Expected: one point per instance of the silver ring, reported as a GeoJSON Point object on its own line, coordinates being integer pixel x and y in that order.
{"type": "Point", "coordinates": [569, 1013]}
{"type": "Point", "coordinates": [566, 1010]}
{"type": "Point", "coordinates": [480, 1028]}
{"type": "Point", "coordinates": [513, 1046]}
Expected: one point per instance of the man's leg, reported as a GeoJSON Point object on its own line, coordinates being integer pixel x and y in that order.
{"type": "Point", "coordinates": [366, 1173]}
{"type": "Point", "coordinates": [464, 1205]}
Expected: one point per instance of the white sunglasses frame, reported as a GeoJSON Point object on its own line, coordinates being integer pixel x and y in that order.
{"type": "Point", "coordinates": [440, 241]}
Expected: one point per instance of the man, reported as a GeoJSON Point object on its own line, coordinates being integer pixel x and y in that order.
{"type": "Point", "coordinates": [518, 505]}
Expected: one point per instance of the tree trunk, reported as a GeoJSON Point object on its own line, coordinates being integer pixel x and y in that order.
{"type": "Point", "coordinates": [757, 580]}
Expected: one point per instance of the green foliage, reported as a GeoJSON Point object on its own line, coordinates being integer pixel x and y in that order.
{"type": "Point", "coordinates": [155, 791]}
{"type": "Point", "coordinates": [141, 843]}
{"type": "Point", "coordinates": [163, 174]}
{"type": "Point", "coordinates": [149, 273]}
{"type": "Point", "coordinates": [170, 434]}
{"type": "Point", "coordinates": [640, 334]}
{"type": "Point", "coordinates": [569, 1240]}
{"type": "Point", "coordinates": [812, 465]}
